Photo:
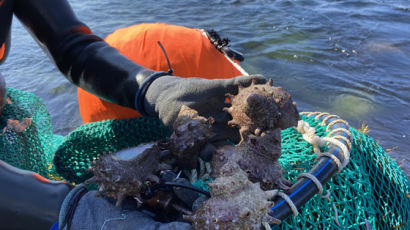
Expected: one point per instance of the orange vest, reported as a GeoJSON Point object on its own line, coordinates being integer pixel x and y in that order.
{"type": "Point", "coordinates": [189, 51]}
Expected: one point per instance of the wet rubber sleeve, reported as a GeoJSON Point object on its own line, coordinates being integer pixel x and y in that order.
{"type": "Point", "coordinates": [27, 200]}
{"type": "Point", "coordinates": [85, 59]}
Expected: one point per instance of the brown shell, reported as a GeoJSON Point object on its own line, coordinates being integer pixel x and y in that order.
{"type": "Point", "coordinates": [127, 172]}
{"type": "Point", "coordinates": [191, 133]}
{"type": "Point", "coordinates": [258, 157]}
{"type": "Point", "coordinates": [235, 203]}
{"type": "Point", "coordinates": [261, 107]}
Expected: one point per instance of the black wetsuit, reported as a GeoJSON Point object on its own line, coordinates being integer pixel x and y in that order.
{"type": "Point", "coordinates": [85, 59]}
{"type": "Point", "coordinates": [88, 62]}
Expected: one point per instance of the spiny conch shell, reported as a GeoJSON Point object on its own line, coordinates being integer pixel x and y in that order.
{"type": "Point", "coordinates": [191, 133]}
{"type": "Point", "coordinates": [235, 203]}
{"type": "Point", "coordinates": [261, 107]}
{"type": "Point", "coordinates": [258, 157]}
{"type": "Point", "coordinates": [127, 173]}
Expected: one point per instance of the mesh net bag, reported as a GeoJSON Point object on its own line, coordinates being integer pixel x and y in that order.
{"type": "Point", "coordinates": [86, 143]}
{"type": "Point", "coordinates": [371, 190]}
{"type": "Point", "coordinates": [31, 148]}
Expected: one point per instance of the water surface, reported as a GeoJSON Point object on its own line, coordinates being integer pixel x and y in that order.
{"type": "Point", "coordinates": [350, 58]}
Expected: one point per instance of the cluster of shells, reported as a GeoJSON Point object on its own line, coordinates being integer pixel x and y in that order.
{"type": "Point", "coordinates": [245, 174]}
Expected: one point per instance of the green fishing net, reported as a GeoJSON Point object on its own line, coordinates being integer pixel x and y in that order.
{"type": "Point", "coordinates": [372, 190]}
{"type": "Point", "coordinates": [32, 148]}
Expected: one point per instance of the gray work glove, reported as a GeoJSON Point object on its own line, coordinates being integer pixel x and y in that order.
{"type": "Point", "coordinates": [83, 210]}
{"type": "Point", "coordinates": [167, 94]}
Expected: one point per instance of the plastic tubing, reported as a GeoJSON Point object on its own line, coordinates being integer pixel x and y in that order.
{"type": "Point", "coordinates": [305, 188]}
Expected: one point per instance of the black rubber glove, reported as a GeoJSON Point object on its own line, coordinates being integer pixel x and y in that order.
{"type": "Point", "coordinates": [167, 94]}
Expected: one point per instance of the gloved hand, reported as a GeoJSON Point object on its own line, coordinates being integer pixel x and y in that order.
{"type": "Point", "coordinates": [167, 94]}
{"type": "Point", "coordinates": [83, 210]}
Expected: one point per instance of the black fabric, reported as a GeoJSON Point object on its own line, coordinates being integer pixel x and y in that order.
{"type": "Point", "coordinates": [85, 59]}
{"type": "Point", "coordinates": [26, 202]}
{"type": "Point", "coordinates": [140, 97]}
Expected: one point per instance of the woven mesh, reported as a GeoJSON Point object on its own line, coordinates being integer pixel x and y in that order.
{"type": "Point", "coordinates": [371, 189]}
{"type": "Point", "coordinates": [32, 149]}
{"type": "Point", "coordinates": [86, 143]}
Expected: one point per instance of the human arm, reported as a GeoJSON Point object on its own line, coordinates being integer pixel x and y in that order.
{"type": "Point", "coordinates": [84, 58]}
{"type": "Point", "coordinates": [90, 63]}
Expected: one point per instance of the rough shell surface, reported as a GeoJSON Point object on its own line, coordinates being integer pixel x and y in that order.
{"type": "Point", "coordinates": [235, 203]}
{"type": "Point", "coordinates": [261, 107]}
{"type": "Point", "coordinates": [258, 157]}
{"type": "Point", "coordinates": [127, 172]}
{"type": "Point", "coordinates": [191, 133]}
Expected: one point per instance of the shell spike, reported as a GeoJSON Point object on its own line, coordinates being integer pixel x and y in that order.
{"type": "Point", "coordinates": [211, 120]}
{"type": "Point", "coordinates": [271, 193]}
{"type": "Point", "coordinates": [229, 95]}
{"type": "Point", "coordinates": [91, 180]}
{"type": "Point", "coordinates": [270, 82]}
{"type": "Point", "coordinates": [228, 109]}
{"type": "Point", "coordinates": [120, 199]}
{"type": "Point", "coordinates": [272, 220]}
{"type": "Point", "coordinates": [233, 123]}
{"type": "Point", "coordinates": [189, 218]}
{"type": "Point", "coordinates": [138, 199]}
{"type": "Point", "coordinates": [181, 209]}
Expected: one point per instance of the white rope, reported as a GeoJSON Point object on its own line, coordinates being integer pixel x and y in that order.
{"type": "Point", "coordinates": [327, 196]}
{"type": "Point", "coordinates": [308, 134]}
{"type": "Point", "coordinates": [329, 117]}
{"type": "Point", "coordinates": [321, 114]}
{"type": "Point", "coordinates": [336, 121]}
{"type": "Point", "coordinates": [349, 143]}
{"type": "Point", "coordinates": [348, 133]}
{"type": "Point", "coordinates": [288, 201]}
{"type": "Point", "coordinates": [315, 181]}
{"type": "Point", "coordinates": [345, 151]}
{"type": "Point", "coordinates": [334, 158]}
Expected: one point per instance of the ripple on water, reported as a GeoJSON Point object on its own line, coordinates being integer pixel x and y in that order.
{"type": "Point", "coordinates": [352, 106]}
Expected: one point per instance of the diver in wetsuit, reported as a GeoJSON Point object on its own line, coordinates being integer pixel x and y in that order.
{"type": "Point", "coordinates": [88, 62]}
